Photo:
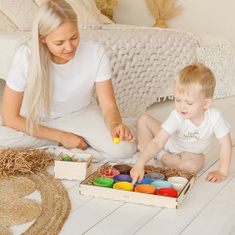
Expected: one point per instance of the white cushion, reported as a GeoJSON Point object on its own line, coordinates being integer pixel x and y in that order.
{"type": "Point", "coordinates": [105, 20]}
{"type": "Point", "coordinates": [20, 12]}
{"type": "Point", "coordinates": [6, 24]}
{"type": "Point", "coordinates": [95, 12]}
{"type": "Point", "coordinates": [216, 52]}
{"type": "Point", "coordinates": [8, 44]}
{"type": "Point", "coordinates": [87, 18]}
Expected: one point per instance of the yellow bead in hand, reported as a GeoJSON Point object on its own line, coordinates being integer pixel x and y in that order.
{"type": "Point", "coordinates": [116, 140]}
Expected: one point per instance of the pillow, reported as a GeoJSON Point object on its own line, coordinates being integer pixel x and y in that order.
{"type": "Point", "coordinates": [6, 25]}
{"type": "Point", "coordinates": [20, 12]}
{"type": "Point", "coordinates": [39, 2]}
{"type": "Point", "coordinates": [86, 18]}
{"type": "Point", "coordinates": [95, 12]}
{"type": "Point", "coordinates": [104, 19]}
{"type": "Point", "coordinates": [217, 53]}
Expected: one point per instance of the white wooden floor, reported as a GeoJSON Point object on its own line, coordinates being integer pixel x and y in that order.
{"type": "Point", "coordinates": [207, 209]}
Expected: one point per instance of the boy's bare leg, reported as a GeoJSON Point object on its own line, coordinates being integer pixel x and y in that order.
{"type": "Point", "coordinates": [184, 161]}
{"type": "Point", "coordinates": [147, 129]}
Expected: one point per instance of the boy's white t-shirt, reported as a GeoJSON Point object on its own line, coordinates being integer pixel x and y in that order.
{"type": "Point", "coordinates": [72, 83]}
{"type": "Point", "coordinates": [188, 137]}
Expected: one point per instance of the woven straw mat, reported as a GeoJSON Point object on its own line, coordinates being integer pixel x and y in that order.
{"type": "Point", "coordinates": [49, 215]}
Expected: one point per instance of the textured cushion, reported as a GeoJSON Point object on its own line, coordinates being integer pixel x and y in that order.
{"type": "Point", "coordinates": [8, 43]}
{"type": "Point", "coordinates": [39, 2]}
{"type": "Point", "coordinates": [86, 15]}
{"type": "Point", "coordinates": [217, 53]}
{"type": "Point", "coordinates": [104, 19]}
{"type": "Point", "coordinates": [85, 18]}
{"type": "Point", "coordinates": [95, 12]}
{"type": "Point", "coordinates": [6, 24]}
{"type": "Point", "coordinates": [20, 12]}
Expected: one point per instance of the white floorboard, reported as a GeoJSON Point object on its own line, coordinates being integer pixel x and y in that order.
{"type": "Point", "coordinates": [88, 215]}
{"type": "Point", "coordinates": [220, 209]}
{"type": "Point", "coordinates": [77, 199]}
{"type": "Point", "coordinates": [127, 219]}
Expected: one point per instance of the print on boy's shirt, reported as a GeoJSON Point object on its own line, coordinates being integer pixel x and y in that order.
{"type": "Point", "coordinates": [192, 135]}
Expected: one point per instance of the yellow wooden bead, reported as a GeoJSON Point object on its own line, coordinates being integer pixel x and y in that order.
{"type": "Point", "coordinates": [116, 140]}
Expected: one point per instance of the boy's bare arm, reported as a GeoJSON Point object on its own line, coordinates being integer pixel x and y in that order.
{"type": "Point", "coordinates": [224, 160]}
{"type": "Point", "coordinates": [152, 148]}
{"type": "Point", "coordinates": [225, 154]}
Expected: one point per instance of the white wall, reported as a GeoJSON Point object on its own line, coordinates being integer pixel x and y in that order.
{"type": "Point", "coordinates": [200, 16]}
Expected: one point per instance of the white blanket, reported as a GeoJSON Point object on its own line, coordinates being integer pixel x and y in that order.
{"type": "Point", "coordinates": [145, 61]}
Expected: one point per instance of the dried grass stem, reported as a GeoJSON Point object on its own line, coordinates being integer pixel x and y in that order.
{"type": "Point", "coordinates": [22, 161]}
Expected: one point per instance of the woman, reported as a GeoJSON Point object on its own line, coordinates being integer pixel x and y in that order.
{"type": "Point", "coordinates": [49, 90]}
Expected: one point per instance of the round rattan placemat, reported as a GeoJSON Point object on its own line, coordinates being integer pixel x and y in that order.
{"type": "Point", "coordinates": [4, 231]}
{"type": "Point", "coordinates": [21, 173]}
{"type": "Point", "coordinates": [49, 215]}
{"type": "Point", "coordinates": [55, 205]}
{"type": "Point", "coordinates": [15, 187]}
{"type": "Point", "coordinates": [19, 211]}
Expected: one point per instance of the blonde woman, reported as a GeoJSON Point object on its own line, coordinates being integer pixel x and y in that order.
{"type": "Point", "coordinates": [181, 141]}
{"type": "Point", "coordinates": [48, 93]}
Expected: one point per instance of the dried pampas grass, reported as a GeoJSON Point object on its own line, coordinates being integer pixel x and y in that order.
{"type": "Point", "coordinates": [21, 161]}
{"type": "Point", "coordinates": [163, 10]}
{"type": "Point", "coordinates": [106, 7]}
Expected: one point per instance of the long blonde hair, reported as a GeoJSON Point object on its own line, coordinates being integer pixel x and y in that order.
{"type": "Point", "coordinates": [50, 16]}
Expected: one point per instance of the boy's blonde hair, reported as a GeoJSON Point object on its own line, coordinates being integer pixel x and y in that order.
{"type": "Point", "coordinates": [194, 75]}
{"type": "Point", "coordinates": [50, 16]}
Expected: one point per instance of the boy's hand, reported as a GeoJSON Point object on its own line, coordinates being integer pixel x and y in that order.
{"type": "Point", "coordinates": [137, 174]}
{"type": "Point", "coordinates": [215, 177]}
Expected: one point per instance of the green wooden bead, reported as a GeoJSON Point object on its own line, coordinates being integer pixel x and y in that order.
{"type": "Point", "coordinates": [67, 158]}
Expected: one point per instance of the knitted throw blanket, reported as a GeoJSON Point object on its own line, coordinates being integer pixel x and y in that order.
{"type": "Point", "coordinates": [145, 61]}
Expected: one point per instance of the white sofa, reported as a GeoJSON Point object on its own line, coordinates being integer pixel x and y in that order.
{"type": "Point", "coordinates": [144, 59]}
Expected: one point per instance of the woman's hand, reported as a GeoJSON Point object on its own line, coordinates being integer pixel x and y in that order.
{"type": "Point", "coordinates": [70, 140]}
{"type": "Point", "coordinates": [123, 132]}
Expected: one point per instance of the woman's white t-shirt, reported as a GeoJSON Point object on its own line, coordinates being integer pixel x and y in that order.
{"type": "Point", "coordinates": [72, 83]}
